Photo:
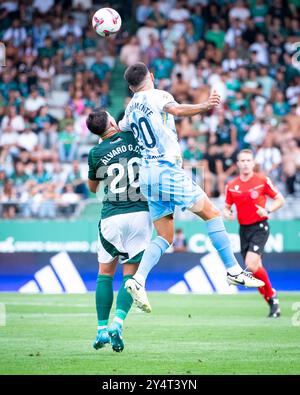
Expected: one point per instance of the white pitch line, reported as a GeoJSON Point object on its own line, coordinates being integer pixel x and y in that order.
{"type": "Point", "coordinates": [28, 315]}
{"type": "Point", "coordinates": [52, 304]}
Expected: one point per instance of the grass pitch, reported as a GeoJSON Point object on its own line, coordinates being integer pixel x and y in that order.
{"type": "Point", "coordinates": [185, 334]}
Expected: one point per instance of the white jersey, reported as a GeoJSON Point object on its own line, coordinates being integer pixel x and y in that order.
{"type": "Point", "coordinates": [153, 128]}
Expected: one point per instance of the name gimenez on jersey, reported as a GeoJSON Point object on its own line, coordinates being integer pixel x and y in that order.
{"type": "Point", "coordinates": [117, 151]}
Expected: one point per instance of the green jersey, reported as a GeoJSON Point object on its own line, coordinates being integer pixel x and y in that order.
{"type": "Point", "coordinates": [115, 163]}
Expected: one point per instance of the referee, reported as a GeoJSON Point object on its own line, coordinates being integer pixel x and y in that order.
{"type": "Point", "coordinates": [249, 192]}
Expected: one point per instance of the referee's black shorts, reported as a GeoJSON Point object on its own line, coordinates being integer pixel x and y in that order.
{"type": "Point", "coordinates": [254, 237]}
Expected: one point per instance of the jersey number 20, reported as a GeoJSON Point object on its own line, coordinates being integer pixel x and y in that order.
{"type": "Point", "coordinates": [145, 130]}
{"type": "Point", "coordinates": [132, 163]}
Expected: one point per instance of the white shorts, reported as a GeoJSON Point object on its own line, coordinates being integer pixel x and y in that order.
{"type": "Point", "coordinates": [124, 235]}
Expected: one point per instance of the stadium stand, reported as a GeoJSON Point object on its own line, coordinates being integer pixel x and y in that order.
{"type": "Point", "coordinates": [57, 70]}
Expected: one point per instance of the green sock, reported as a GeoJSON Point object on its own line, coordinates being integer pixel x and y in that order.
{"type": "Point", "coordinates": [104, 298]}
{"type": "Point", "coordinates": [124, 302]}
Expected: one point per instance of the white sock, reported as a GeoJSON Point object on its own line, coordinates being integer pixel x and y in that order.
{"type": "Point", "coordinates": [235, 270]}
{"type": "Point", "coordinates": [140, 279]}
{"type": "Point", "coordinates": [102, 327]}
{"type": "Point", "coordinates": [118, 320]}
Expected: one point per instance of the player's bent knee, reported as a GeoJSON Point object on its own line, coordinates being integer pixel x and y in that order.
{"type": "Point", "coordinates": [169, 237]}
{"type": "Point", "coordinates": [108, 269]}
{"type": "Point", "coordinates": [205, 209]}
{"type": "Point", "coordinates": [198, 206]}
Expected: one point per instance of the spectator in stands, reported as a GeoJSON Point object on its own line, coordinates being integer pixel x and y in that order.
{"type": "Point", "coordinates": [143, 11]}
{"type": "Point", "coordinates": [47, 207]}
{"type": "Point", "coordinates": [232, 62]}
{"type": "Point", "coordinates": [77, 103]}
{"type": "Point", "coordinates": [225, 132]}
{"type": "Point", "coordinates": [145, 32]}
{"type": "Point", "coordinates": [210, 171]}
{"type": "Point", "coordinates": [179, 242]}
{"type": "Point", "coordinates": [68, 47]}
{"type": "Point", "coordinates": [131, 52]}
{"type": "Point", "coordinates": [290, 164]}
{"type": "Point", "coordinates": [226, 166]}
{"type": "Point", "coordinates": [48, 143]}
{"type": "Point", "coordinates": [28, 140]}
{"type": "Point", "coordinates": [69, 200]}
{"type": "Point", "coordinates": [70, 27]}
{"type": "Point", "coordinates": [162, 68]}
{"type": "Point", "coordinates": [68, 117]}
{"type": "Point", "coordinates": [16, 34]}
{"type": "Point", "coordinates": [58, 177]}
{"type": "Point", "coordinates": [239, 11]}
{"type": "Point", "coordinates": [268, 158]}
{"type": "Point", "coordinates": [180, 88]}
{"type": "Point", "coordinates": [40, 31]}
{"type": "Point", "coordinates": [45, 71]}
{"type": "Point", "coordinates": [280, 105]}
{"type": "Point", "coordinates": [19, 177]}
{"type": "Point", "coordinates": [185, 68]}
{"type": "Point", "coordinates": [12, 121]}
{"type": "Point", "coordinates": [151, 52]}
{"type": "Point", "coordinates": [75, 179]}
{"type": "Point", "coordinates": [40, 174]}
{"type": "Point", "coordinates": [9, 199]}
{"type": "Point", "coordinates": [9, 140]}
{"type": "Point", "coordinates": [216, 35]}
{"type": "Point", "coordinates": [101, 69]}
{"type": "Point", "coordinates": [67, 144]}
{"type": "Point", "coordinates": [33, 103]}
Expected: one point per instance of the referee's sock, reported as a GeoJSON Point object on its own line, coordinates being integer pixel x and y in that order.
{"type": "Point", "coordinates": [267, 290]}
{"type": "Point", "coordinates": [220, 240]}
{"type": "Point", "coordinates": [151, 256]}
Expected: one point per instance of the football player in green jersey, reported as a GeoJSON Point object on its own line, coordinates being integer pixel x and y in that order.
{"type": "Point", "coordinates": [125, 228]}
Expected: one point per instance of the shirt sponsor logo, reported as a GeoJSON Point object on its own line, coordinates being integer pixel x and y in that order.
{"type": "Point", "coordinates": [254, 194]}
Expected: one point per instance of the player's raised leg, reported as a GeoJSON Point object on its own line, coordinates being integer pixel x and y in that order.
{"type": "Point", "coordinates": [136, 286]}
{"type": "Point", "coordinates": [220, 240]}
{"type": "Point", "coordinates": [104, 301]}
{"type": "Point", "coordinates": [123, 305]}
{"type": "Point", "coordinates": [254, 264]}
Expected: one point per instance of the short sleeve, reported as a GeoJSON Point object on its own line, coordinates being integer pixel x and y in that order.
{"type": "Point", "coordinates": [124, 125]}
{"type": "Point", "coordinates": [92, 169]}
{"type": "Point", "coordinates": [270, 189]}
{"type": "Point", "coordinates": [228, 196]}
{"type": "Point", "coordinates": [165, 98]}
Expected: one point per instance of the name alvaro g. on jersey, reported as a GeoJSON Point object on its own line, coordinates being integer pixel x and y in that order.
{"type": "Point", "coordinates": [114, 152]}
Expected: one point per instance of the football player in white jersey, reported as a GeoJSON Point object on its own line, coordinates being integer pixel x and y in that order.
{"type": "Point", "coordinates": [150, 115]}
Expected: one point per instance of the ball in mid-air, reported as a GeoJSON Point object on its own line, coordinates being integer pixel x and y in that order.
{"type": "Point", "coordinates": [106, 22]}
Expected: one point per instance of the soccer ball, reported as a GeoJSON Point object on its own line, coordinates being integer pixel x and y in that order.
{"type": "Point", "coordinates": [106, 22]}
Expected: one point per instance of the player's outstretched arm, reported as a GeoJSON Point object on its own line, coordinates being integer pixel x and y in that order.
{"type": "Point", "coordinates": [187, 110]}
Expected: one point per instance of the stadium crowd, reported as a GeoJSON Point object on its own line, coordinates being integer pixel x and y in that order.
{"type": "Point", "coordinates": [57, 69]}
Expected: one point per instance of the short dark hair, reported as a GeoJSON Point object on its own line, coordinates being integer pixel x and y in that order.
{"type": "Point", "coordinates": [136, 74]}
{"type": "Point", "coordinates": [97, 121]}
